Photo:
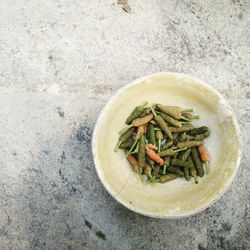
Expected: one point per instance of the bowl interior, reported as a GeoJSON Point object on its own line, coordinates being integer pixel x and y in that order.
{"type": "Point", "coordinates": [178, 197]}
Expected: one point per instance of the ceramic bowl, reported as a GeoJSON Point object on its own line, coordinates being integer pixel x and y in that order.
{"type": "Point", "coordinates": [177, 198]}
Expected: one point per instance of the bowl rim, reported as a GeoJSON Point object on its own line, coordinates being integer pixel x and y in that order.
{"type": "Point", "coordinates": [139, 211]}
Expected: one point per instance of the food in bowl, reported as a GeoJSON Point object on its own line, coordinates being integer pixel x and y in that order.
{"type": "Point", "coordinates": [161, 144]}
{"type": "Point", "coordinates": [178, 198]}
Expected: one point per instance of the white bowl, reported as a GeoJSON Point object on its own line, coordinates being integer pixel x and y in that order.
{"type": "Point", "coordinates": [177, 198]}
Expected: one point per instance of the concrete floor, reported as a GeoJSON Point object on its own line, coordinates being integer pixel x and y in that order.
{"type": "Point", "coordinates": [60, 61]}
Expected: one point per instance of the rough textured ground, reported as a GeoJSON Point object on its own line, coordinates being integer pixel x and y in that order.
{"type": "Point", "coordinates": [60, 61]}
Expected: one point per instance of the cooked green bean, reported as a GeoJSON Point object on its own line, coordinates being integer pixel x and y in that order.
{"type": "Point", "coordinates": [124, 137]}
{"type": "Point", "coordinates": [170, 120]}
{"type": "Point", "coordinates": [148, 170]}
{"type": "Point", "coordinates": [169, 152]}
{"type": "Point", "coordinates": [184, 155]}
{"type": "Point", "coordinates": [160, 121]}
{"type": "Point", "coordinates": [189, 144]}
{"type": "Point", "coordinates": [199, 130]}
{"type": "Point", "coordinates": [186, 173]}
{"type": "Point", "coordinates": [142, 153]}
{"type": "Point", "coordinates": [172, 111]}
{"type": "Point", "coordinates": [175, 170]}
{"type": "Point", "coordinates": [200, 137]}
{"type": "Point", "coordinates": [150, 162]}
{"type": "Point", "coordinates": [136, 113]}
{"type": "Point", "coordinates": [167, 145]}
{"type": "Point", "coordinates": [184, 128]}
{"type": "Point", "coordinates": [127, 144]}
{"type": "Point", "coordinates": [167, 161]}
{"type": "Point", "coordinates": [197, 161]}
{"type": "Point", "coordinates": [192, 169]}
{"type": "Point", "coordinates": [151, 133]}
{"type": "Point", "coordinates": [168, 177]}
{"type": "Point", "coordinates": [156, 171]}
{"type": "Point", "coordinates": [180, 163]}
{"type": "Point", "coordinates": [159, 137]}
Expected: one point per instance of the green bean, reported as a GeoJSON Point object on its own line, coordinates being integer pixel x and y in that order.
{"type": "Point", "coordinates": [199, 130]}
{"type": "Point", "coordinates": [181, 129]}
{"type": "Point", "coordinates": [167, 177]}
{"type": "Point", "coordinates": [169, 152]}
{"type": "Point", "coordinates": [193, 171]}
{"type": "Point", "coordinates": [180, 163]}
{"type": "Point", "coordinates": [127, 144]}
{"type": "Point", "coordinates": [184, 155]}
{"type": "Point", "coordinates": [148, 170]}
{"type": "Point", "coordinates": [136, 113]}
{"type": "Point", "coordinates": [160, 121]}
{"type": "Point", "coordinates": [141, 153]}
{"type": "Point", "coordinates": [189, 144]}
{"type": "Point", "coordinates": [197, 161]}
{"type": "Point", "coordinates": [145, 112]}
{"type": "Point", "coordinates": [156, 171]}
{"type": "Point", "coordinates": [124, 137]}
{"type": "Point", "coordinates": [186, 173]}
{"type": "Point", "coordinates": [175, 170]}
{"type": "Point", "coordinates": [200, 137]}
{"type": "Point", "coordinates": [172, 111]}
{"type": "Point", "coordinates": [151, 133]}
{"type": "Point", "coordinates": [167, 161]}
{"type": "Point", "coordinates": [170, 120]}
{"type": "Point", "coordinates": [150, 162]}
{"type": "Point", "coordinates": [159, 137]}
{"type": "Point", "coordinates": [167, 145]}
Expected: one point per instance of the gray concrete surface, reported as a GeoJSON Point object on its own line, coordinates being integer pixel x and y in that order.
{"type": "Point", "coordinates": [60, 61]}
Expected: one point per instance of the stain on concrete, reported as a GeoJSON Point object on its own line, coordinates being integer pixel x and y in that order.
{"type": "Point", "coordinates": [60, 112]}
{"type": "Point", "coordinates": [83, 134]}
{"type": "Point", "coordinates": [240, 16]}
{"type": "Point", "coordinates": [200, 247]}
{"type": "Point", "coordinates": [97, 232]}
{"type": "Point", "coordinates": [62, 157]}
{"type": "Point", "coordinates": [88, 224]}
{"type": "Point", "coordinates": [226, 226]}
{"type": "Point", "coordinates": [100, 235]}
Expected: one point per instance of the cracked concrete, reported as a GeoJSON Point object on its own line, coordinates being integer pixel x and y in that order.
{"type": "Point", "coordinates": [60, 61]}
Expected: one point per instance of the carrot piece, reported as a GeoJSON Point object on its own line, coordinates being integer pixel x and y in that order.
{"type": "Point", "coordinates": [155, 157]}
{"type": "Point", "coordinates": [133, 162]}
{"type": "Point", "coordinates": [145, 129]}
{"type": "Point", "coordinates": [151, 146]}
{"type": "Point", "coordinates": [203, 153]}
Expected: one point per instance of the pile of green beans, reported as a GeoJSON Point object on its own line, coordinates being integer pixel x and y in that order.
{"type": "Point", "coordinates": [161, 144]}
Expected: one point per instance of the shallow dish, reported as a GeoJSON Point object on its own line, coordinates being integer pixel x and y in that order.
{"type": "Point", "coordinates": [177, 198]}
